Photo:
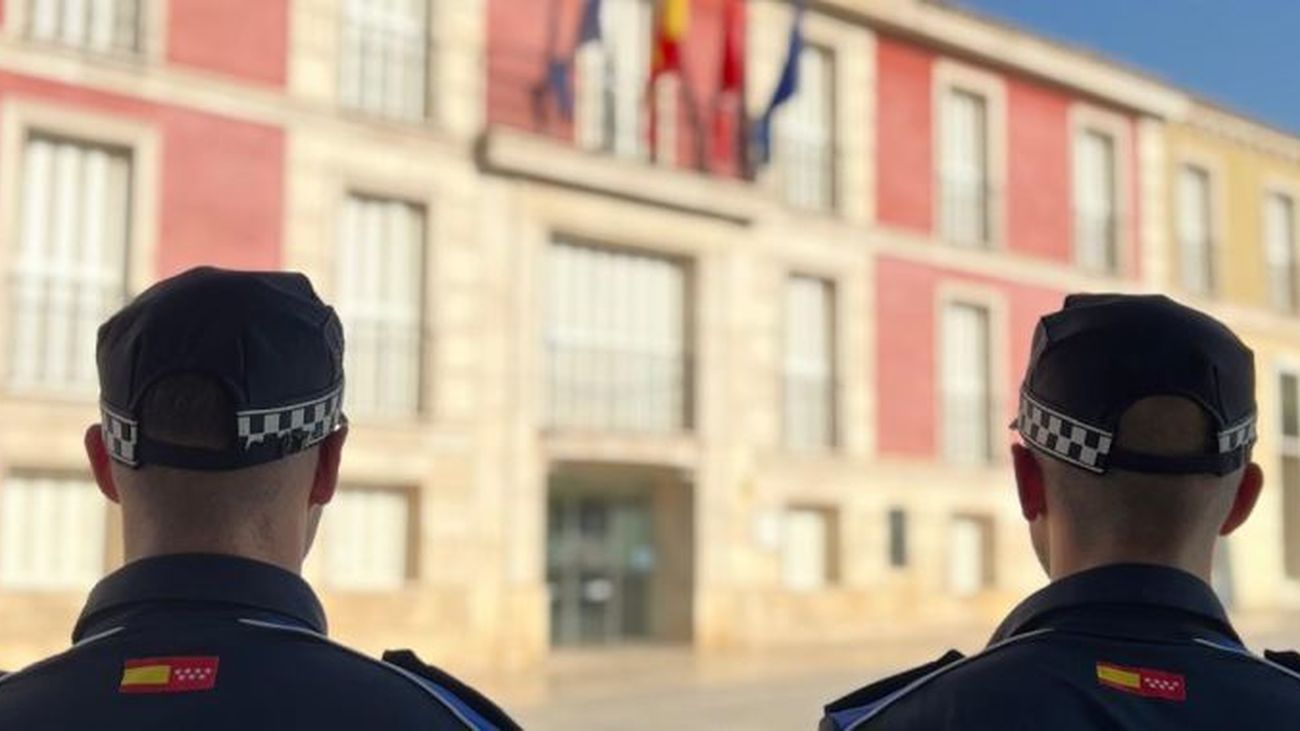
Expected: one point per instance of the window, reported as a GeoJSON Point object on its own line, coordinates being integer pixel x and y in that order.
{"type": "Point", "coordinates": [970, 563]}
{"type": "Point", "coordinates": [617, 340]}
{"type": "Point", "coordinates": [809, 373]}
{"type": "Point", "coordinates": [1096, 233]}
{"type": "Point", "coordinates": [897, 538]}
{"type": "Point", "coordinates": [365, 542]}
{"type": "Point", "coordinates": [806, 134]}
{"type": "Point", "coordinates": [103, 26]}
{"type": "Point", "coordinates": [1289, 452]}
{"type": "Point", "coordinates": [965, 169]}
{"type": "Point", "coordinates": [1195, 226]}
{"type": "Point", "coordinates": [380, 298]}
{"type": "Point", "coordinates": [967, 389]}
{"type": "Point", "coordinates": [1279, 250]}
{"type": "Point", "coordinates": [52, 532]}
{"type": "Point", "coordinates": [809, 560]}
{"type": "Point", "coordinates": [384, 61]}
{"type": "Point", "coordinates": [69, 267]}
{"type": "Point", "coordinates": [612, 78]}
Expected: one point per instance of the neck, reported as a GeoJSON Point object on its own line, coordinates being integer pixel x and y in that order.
{"type": "Point", "coordinates": [141, 543]}
{"type": "Point", "coordinates": [1067, 559]}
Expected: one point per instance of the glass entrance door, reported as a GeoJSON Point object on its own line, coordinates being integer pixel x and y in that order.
{"type": "Point", "coordinates": [600, 563]}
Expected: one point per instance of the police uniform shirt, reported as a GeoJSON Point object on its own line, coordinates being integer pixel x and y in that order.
{"type": "Point", "coordinates": [220, 642]}
{"type": "Point", "coordinates": [1118, 647]}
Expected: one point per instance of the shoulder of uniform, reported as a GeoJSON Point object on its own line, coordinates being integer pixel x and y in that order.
{"type": "Point", "coordinates": [853, 710]}
{"type": "Point", "coordinates": [433, 687]}
{"type": "Point", "coordinates": [473, 700]}
{"type": "Point", "coordinates": [1288, 659]}
{"type": "Point", "coordinates": [847, 712]}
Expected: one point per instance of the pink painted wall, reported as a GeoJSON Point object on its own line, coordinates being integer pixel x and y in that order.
{"type": "Point", "coordinates": [1039, 211]}
{"type": "Point", "coordinates": [904, 135]}
{"type": "Point", "coordinates": [248, 39]}
{"type": "Point", "coordinates": [221, 183]}
{"type": "Point", "coordinates": [907, 337]}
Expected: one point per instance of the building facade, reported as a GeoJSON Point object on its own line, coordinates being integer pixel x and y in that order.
{"type": "Point", "coordinates": [608, 381]}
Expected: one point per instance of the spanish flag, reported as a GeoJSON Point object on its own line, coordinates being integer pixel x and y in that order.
{"type": "Point", "coordinates": [670, 31]}
{"type": "Point", "coordinates": [1143, 681]}
{"type": "Point", "coordinates": [168, 674]}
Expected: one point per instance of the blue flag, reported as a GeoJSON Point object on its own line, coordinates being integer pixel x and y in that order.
{"type": "Point", "coordinates": [559, 69]}
{"type": "Point", "coordinates": [590, 28]}
{"type": "Point", "coordinates": [786, 86]}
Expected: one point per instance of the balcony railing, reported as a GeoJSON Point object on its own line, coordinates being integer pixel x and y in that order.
{"type": "Point", "coordinates": [618, 389]}
{"type": "Point", "coordinates": [1096, 241]}
{"type": "Point", "coordinates": [1196, 263]}
{"type": "Point", "coordinates": [1284, 286]}
{"type": "Point", "coordinates": [966, 210]}
{"type": "Point", "coordinates": [811, 411]}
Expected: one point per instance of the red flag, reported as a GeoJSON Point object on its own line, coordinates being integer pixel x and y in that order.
{"type": "Point", "coordinates": [670, 30]}
{"type": "Point", "coordinates": [728, 122]}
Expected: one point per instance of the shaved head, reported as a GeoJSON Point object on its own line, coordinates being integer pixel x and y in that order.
{"type": "Point", "coordinates": [1140, 514]}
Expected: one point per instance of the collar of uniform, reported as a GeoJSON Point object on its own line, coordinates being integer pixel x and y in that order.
{"type": "Point", "coordinates": [195, 577]}
{"type": "Point", "coordinates": [1160, 587]}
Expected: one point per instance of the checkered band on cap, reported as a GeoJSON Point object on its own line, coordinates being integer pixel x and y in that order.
{"type": "Point", "coordinates": [1063, 437]}
{"type": "Point", "coordinates": [1237, 436]}
{"type": "Point", "coordinates": [120, 436]}
{"type": "Point", "coordinates": [302, 424]}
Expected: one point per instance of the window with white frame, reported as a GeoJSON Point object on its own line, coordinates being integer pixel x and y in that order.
{"type": "Point", "coordinates": [1195, 230]}
{"type": "Point", "coordinates": [384, 57]}
{"type": "Point", "coordinates": [805, 134]}
{"type": "Point", "coordinates": [808, 559]}
{"type": "Point", "coordinates": [617, 340]}
{"type": "Point", "coordinates": [967, 384]}
{"type": "Point", "coordinates": [966, 201]}
{"type": "Point", "coordinates": [1096, 230]}
{"type": "Point", "coordinates": [365, 541]}
{"type": "Point", "coordinates": [68, 267]}
{"type": "Point", "coordinates": [52, 532]}
{"type": "Point", "coordinates": [1289, 455]}
{"type": "Point", "coordinates": [809, 369]}
{"type": "Point", "coordinates": [1279, 250]}
{"type": "Point", "coordinates": [970, 558]}
{"type": "Point", "coordinates": [611, 81]}
{"type": "Point", "coordinates": [379, 293]}
{"type": "Point", "coordinates": [103, 26]}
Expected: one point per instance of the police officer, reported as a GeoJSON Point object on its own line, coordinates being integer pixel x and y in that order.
{"type": "Point", "coordinates": [220, 438]}
{"type": "Point", "coordinates": [1137, 417]}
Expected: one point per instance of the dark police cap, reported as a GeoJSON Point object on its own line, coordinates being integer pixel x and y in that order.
{"type": "Point", "coordinates": [1101, 353]}
{"type": "Point", "coordinates": [265, 337]}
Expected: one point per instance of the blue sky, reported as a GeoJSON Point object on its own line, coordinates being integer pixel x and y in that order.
{"type": "Point", "coordinates": [1244, 54]}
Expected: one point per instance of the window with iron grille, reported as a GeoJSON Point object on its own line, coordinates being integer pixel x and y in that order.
{"type": "Point", "coordinates": [809, 372]}
{"type": "Point", "coordinates": [52, 532]}
{"type": "Point", "coordinates": [1289, 454]}
{"type": "Point", "coordinates": [617, 340]}
{"type": "Point", "coordinates": [810, 557]}
{"type": "Point", "coordinates": [611, 80]}
{"type": "Point", "coordinates": [1096, 234]}
{"type": "Point", "coordinates": [366, 540]}
{"type": "Point", "coordinates": [805, 134]}
{"type": "Point", "coordinates": [965, 206]}
{"type": "Point", "coordinates": [384, 57]}
{"type": "Point", "coordinates": [1279, 250]}
{"type": "Point", "coordinates": [103, 26]}
{"type": "Point", "coordinates": [1195, 230]}
{"type": "Point", "coordinates": [68, 271]}
{"type": "Point", "coordinates": [380, 299]}
{"type": "Point", "coordinates": [967, 386]}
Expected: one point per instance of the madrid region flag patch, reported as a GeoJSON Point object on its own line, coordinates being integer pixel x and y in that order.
{"type": "Point", "coordinates": [169, 674]}
{"type": "Point", "coordinates": [1145, 682]}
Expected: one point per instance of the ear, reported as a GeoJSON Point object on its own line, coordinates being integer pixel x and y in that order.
{"type": "Point", "coordinates": [326, 480]}
{"type": "Point", "coordinates": [1252, 482]}
{"type": "Point", "coordinates": [101, 465]}
{"type": "Point", "coordinates": [1029, 482]}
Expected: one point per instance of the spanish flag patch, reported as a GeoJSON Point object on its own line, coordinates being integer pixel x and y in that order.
{"type": "Point", "coordinates": [1145, 682]}
{"type": "Point", "coordinates": [169, 674]}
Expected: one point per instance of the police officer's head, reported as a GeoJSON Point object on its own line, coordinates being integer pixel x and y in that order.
{"type": "Point", "coordinates": [221, 431]}
{"type": "Point", "coordinates": [1137, 419]}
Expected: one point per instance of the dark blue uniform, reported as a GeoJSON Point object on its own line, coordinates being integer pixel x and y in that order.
{"type": "Point", "coordinates": [1118, 647]}
{"type": "Point", "coordinates": [218, 642]}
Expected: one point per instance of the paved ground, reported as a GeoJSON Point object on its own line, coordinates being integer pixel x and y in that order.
{"type": "Point", "coordinates": [640, 689]}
